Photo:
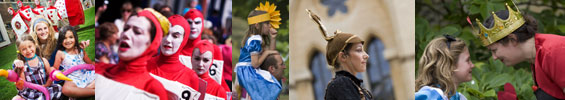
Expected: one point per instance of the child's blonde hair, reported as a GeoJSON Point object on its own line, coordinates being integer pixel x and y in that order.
{"type": "Point", "coordinates": [438, 62]}
{"type": "Point", "coordinates": [51, 42]}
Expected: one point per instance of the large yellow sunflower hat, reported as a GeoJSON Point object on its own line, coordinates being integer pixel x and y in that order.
{"type": "Point", "coordinates": [272, 15]}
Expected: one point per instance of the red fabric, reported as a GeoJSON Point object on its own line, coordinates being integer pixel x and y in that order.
{"type": "Point", "coordinates": [509, 93]}
{"type": "Point", "coordinates": [24, 12]}
{"type": "Point", "coordinates": [218, 55]}
{"type": "Point", "coordinates": [204, 46]}
{"type": "Point", "coordinates": [51, 18]}
{"type": "Point", "coordinates": [173, 71]}
{"type": "Point", "coordinates": [192, 14]}
{"type": "Point", "coordinates": [12, 11]}
{"type": "Point", "coordinates": [550, 55]}
{"type": "Point", "coordinates": [213, 87]}
{"type": "Point", "coordinates": [169, 67]}
{"type": "Point", "coordinates": [53, 7]}
{"type": "Point", "coordinates": [228, 69]}
{"type": "Point", "coordinates": [74, 12]}
{"type": "Point", "coordinates": [225, 86]}
{"type": "Point", "coordinates": [134, 72]}
{"type": "Point", "coordinates": [135, 76]}
{"type": "Point", "coordinates": [38, 9]}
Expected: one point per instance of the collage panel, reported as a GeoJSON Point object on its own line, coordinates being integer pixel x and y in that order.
{"type": "Point", "coordinates": [47, 49]}
{"type": "Point", "coordinates": [486, 50]}
{"type": "Point", "coordinates": [163, 49]}
{"type": "Point", "coordinates": [282, 49]}
{"type": "Point", "coordinates": [261, 36]}
{"type": "Point", "coordinates": [351, 49]}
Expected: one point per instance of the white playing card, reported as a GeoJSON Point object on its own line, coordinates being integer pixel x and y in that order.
{"type": "Point", "coordinates": [216, 70]}
{"type": "Point", "coordinates": [61, 8]}
{"type": "Point", "coordinates": [19, 25]}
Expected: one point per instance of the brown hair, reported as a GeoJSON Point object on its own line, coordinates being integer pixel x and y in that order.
{"type": "Point", "coordinates": [255, 29]}
{"type": "Point", "coordinates": [271, 60]}
{"type": "Point", "coordinates": [209, 36]}
{"type": "Point", "coordinates": [107, 29]}
{"type": "Point", "coordinates": [438, 62]}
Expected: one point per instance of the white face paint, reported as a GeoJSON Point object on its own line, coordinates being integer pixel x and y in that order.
{"type": "Point", "coordinates": [135, 39]}
{"type": "Point", "coordinates": [195, 27]}
{"type": "Point", "coordinates": [170, 44]}
{"type": "Point", "coordinates": [201, 62]}
{"type": "Point", "coordinates": [36, 2]}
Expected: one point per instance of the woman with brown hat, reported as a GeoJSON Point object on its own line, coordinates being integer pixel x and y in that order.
{"type": "Point", "coordinates": [346, 54]}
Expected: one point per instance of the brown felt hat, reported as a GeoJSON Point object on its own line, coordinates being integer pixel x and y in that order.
{"type": "Point", "coordinates": [337, 42]}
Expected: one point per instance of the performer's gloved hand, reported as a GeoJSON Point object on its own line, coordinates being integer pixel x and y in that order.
{"type": "Point", "coordinates": [57, 76]}
{"type": "Point", "coordinates": [509, 93]}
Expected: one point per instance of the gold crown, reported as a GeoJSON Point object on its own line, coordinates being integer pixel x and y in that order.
{"type": "Point", "coordinates": [501, 27]}
{"type": "Point", "coordinates": [272, 15]}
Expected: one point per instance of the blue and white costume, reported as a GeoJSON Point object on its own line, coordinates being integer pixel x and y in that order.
{"type": "Point", "coordinates": [432, 93]}
{"type": "Point", "coordinates": [260, 84]}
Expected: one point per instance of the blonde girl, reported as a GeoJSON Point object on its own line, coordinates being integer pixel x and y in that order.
{"type": "Point", "coordinates": [35, 70]}
{"type": "Point", "coordinates": [257, 45]}
{"type": "Point", "coordinates": [44, 35]}
{"type": "Point", "coordinates": [444, 65]}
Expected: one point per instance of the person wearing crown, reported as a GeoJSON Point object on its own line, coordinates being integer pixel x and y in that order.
{"type": "Point", "coordinates": [512, 38]}
{"type": "Point", "coordinates": [345, 52]}
{"type": "Point", "coordinates": [257, 45]}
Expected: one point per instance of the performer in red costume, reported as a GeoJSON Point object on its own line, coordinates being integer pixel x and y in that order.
{"type": "Point", "coordinates": [168, 66]}
{"type": "Point", "coordinates": [129, 79]}
{"type": "Point", "coordinates": [201, 62]}
{"type": "Point", "coordinates": [512, 37]}
{"type": "Point", "coordinates": [549, 65]}
{"type": "Point", "coordinates": [38, 10]}
{"type": "Point", "coordinates": [196, 21]}
{"type": "Point", "coordinates": [24, 11]}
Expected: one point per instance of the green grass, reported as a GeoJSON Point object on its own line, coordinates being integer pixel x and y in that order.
{"type": "Point", "coordinates": [86, 32]}
{"type": "Point", "coordinates": [8, 55]}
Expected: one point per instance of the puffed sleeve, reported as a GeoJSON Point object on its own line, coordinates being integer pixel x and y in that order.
{"type": "Point", "coordinates": [253, 45]}
{"type": "Point", "coordinates": [426, 93]}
